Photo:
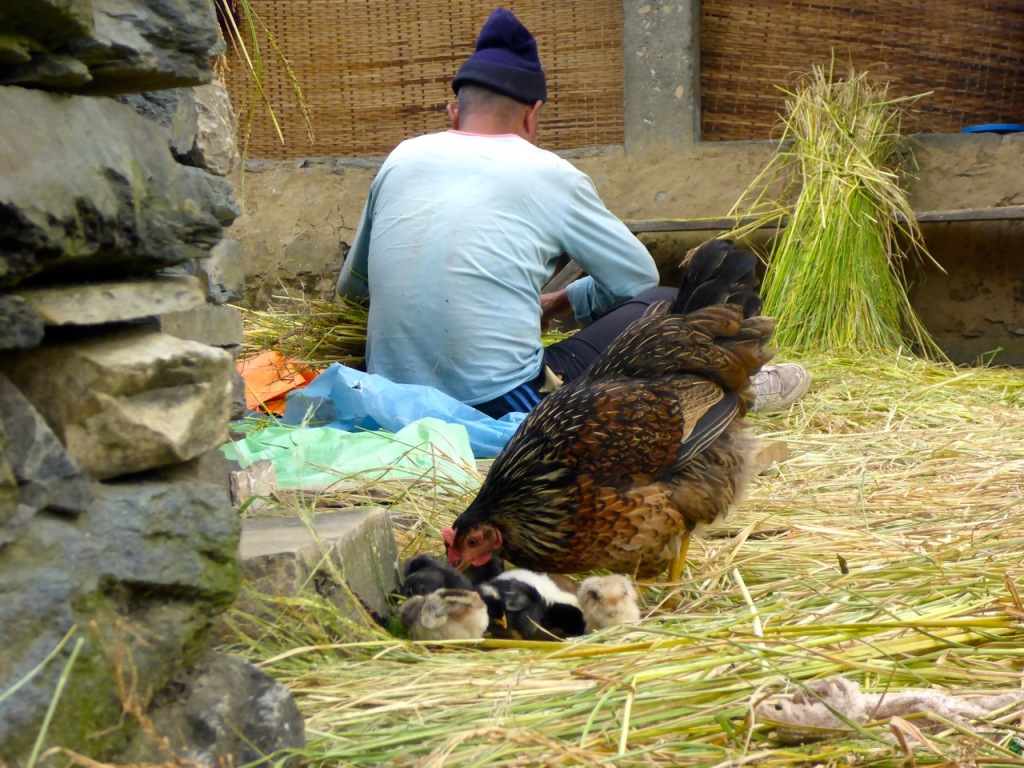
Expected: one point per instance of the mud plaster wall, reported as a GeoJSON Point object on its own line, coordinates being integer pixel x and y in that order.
{"type": "Point", "coordinates": [300, 216]}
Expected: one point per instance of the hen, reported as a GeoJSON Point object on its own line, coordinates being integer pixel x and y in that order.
{"type": "Point", "coordinates": [617, 468]}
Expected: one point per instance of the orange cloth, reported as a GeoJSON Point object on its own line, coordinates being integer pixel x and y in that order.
{"type": "Point", "coordinates": [269, 377]}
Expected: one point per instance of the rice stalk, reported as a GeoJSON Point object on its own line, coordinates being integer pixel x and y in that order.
{"type": "Point", "coordinates": [245, 40]}
{"type": "Point", "coordinates": [28, 676]}
{"type": "Point", "coordinates": [836, 273]}
{"type": "Point", "coordinates": [313, 332]}
{"type": "Point", "coordinates": [51, 709]}
{"type": "Point", "coordinates": [888, 549]}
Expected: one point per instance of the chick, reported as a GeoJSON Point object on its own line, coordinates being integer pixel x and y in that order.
{"type": "Point", "coordinates": [535, 607]}
{"type": "Point", "coordinates": [498, 616]}
{"type": "Point", "coordinates": [478, 574]}
{"type": "Point", "coordinates": [424, 574]}
{"type": "Point", "coordinates": [445, 614]}
{"type": "Point", "coordinates": [607, 601]}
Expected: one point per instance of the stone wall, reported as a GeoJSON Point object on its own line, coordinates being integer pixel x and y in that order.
{"type": "Point", "coordinates": [118, 542]}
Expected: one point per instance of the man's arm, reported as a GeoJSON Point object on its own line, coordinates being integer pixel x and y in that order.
{"type": "Point", "coordinates": [553, 306]}
{"type": "Point", "coordinates": [352, 282]}
{"type": "Point", "coordinates": [618, 265]}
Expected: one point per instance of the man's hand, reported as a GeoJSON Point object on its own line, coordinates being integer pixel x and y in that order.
{"type": "Point", "coordinates": [553, 306]}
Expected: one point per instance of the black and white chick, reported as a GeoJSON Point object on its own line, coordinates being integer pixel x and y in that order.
{"type": "Point", "coordinates": [445, 614]}
{"type": "Point", "coordinates": [534, 607]}
{"type": "Point", "coordinates": [607, 601]}
{"type": "Point", "coordinates": [424, 574]}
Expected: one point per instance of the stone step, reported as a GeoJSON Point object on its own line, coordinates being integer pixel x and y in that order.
{"type": "Point", "coordinates": [113, 302]}
{"type": "Point", "coordinates": [333, 552]}
{"type": "Point", "coordinates": [213, 324]}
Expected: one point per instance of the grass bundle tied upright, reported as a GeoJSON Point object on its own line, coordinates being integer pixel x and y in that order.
{"type": "Point", "coordinates": [835, 279]}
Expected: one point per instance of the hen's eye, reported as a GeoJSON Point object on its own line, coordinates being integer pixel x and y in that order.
{"type": "Point", "coordinates": [472, 541]}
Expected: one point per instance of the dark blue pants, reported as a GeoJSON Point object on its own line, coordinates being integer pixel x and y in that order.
{"type": "Point", "coordinates": [572, 356]}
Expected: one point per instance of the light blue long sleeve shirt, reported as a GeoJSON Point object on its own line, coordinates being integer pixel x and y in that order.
{"type": "Point", "coordinates": [459, 234]}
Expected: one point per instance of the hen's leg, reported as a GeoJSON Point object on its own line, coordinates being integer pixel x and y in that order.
{"type": "Point", "coordinates": [675, 568]}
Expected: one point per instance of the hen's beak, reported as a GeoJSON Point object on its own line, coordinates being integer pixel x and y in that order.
{"type": "Point", "coordinates": [463, 566]}
{"type": "Point", "coordinates": [501, 622]}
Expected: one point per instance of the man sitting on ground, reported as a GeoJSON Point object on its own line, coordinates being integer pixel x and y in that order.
{"type": "Point", "coordinates": [463, 228]}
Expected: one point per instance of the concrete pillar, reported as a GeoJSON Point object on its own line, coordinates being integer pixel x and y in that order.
{"type": "Point", "coordinates": [662, 71]}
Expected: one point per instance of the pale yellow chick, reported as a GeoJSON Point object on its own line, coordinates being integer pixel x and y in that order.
{"type": "Point", "coordinates": [607, 601]}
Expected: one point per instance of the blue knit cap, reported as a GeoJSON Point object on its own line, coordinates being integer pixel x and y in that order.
{"type": "Point", "coordinates": [505, 60]}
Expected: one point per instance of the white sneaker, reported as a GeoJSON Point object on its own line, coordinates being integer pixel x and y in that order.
{"type": "Point", "coordinates": [779, 386]}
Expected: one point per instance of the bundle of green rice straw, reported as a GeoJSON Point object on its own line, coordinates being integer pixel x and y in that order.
{"type": "Point", "coordinates": [316, 332]}
{"type": "Point", "coordinates": [836, 274]}
{"type": "Point", "coordinates": [312, 332]}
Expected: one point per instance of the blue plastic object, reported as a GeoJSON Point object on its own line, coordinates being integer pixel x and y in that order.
{"type": "Point", "coordinates": [994, 128]}
{"type": "Point", "coordinates": [351, 400]}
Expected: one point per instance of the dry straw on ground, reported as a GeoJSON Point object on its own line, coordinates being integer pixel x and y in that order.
{"type": "Point", "coordinates": [888, 549]}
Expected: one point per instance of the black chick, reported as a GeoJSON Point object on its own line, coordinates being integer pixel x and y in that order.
{"type": "Point", "coordinates": [480, 574]}
{"type": "Point", "coordinates": [497, 617]}
{"type": "Point", "coordinates": [424, 574]}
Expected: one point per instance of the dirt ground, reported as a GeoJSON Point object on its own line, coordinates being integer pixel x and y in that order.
{"type": "Point", "coordinates": [300, 217]}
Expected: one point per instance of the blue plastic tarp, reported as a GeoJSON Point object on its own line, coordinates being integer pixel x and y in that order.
{"type": "Point", "coordinates": [351, 400]}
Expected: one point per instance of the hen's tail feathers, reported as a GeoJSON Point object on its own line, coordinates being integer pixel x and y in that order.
{"type": "Point", "coordinates": [715, 342]}
{"type": "Point", "coordinates": [718, 273]}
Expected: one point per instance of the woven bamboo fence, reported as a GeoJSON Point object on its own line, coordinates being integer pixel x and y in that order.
{"type": "Point", "coordinates": [374, 73]}
{"type": "Point", "coordinates": [968, 53]}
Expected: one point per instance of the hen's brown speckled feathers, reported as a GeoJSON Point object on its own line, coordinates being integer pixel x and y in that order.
{"type": "Point", "coordinates": [615, 467]}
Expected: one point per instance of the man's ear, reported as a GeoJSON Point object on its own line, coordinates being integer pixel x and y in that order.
{"type": "Point", "coordinates": [453, 114]}
{"type": "Point", "coordinates": [531, 121]}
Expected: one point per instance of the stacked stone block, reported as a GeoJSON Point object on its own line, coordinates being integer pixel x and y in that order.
{"type": "Point", "coordinates": [116, 379]}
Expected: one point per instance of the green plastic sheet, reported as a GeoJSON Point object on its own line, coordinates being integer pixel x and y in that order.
{"type": "Point", "coordinates": [428, 449]}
